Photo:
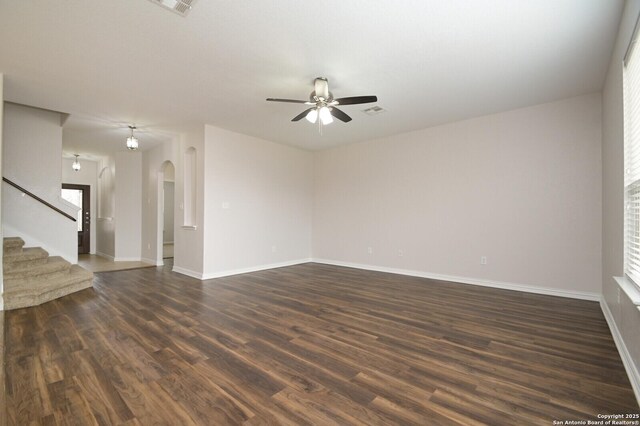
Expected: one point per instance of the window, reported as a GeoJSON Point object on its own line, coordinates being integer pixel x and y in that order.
{"type": "Point", "coordinates": [631, 72]}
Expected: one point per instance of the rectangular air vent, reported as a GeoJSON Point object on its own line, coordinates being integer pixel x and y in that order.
{"type": "Point", "coordinates": [181, 7]}
{"type": "Point", "coordinates": [374, 110]}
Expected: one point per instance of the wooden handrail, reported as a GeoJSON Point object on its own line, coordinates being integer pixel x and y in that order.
{"type": "Point", "coordinates": [35, 197]}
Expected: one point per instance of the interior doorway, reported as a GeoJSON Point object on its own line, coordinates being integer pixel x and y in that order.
{"type": "Point", "coordinates": [80, 195]}
{"type": "Point", "coordinates": [166, 220]}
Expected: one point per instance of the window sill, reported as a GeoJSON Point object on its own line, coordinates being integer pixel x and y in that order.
{"type": "Point", "coordinates": [630, 288]}
{"type": "Point", "coordinates": [189, 228]}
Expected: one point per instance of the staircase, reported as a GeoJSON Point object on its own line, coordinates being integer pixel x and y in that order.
{"type": "Point", "coordinates": [32, 277]}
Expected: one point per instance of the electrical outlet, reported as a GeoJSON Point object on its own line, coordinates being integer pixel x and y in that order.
{"type": "Point", "coordinates": [483, 260]}
{"type": "Point", "coordinates": [226, 205]}
{"type": "Point", "coordinates": [400, 253]}
{"type": "Point", "coordinates": [148, 246]}
{"type": "Point", "coordinates": [370, 250]}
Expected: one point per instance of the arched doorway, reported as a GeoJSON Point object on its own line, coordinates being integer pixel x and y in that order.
{"type": "Point", "coordinates": [166, 212]}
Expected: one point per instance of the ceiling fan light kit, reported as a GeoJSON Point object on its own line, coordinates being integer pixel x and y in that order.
{"type": "Point", "coordinates": [324, 105]}
{"type": "Point", "coordinates": [312, 116]}
{"type": "Point", "coordinates": [325, 115]}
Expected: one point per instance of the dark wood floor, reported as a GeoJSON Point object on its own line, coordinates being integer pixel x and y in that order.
{"type": "Point", "coordinates": [309, 344]}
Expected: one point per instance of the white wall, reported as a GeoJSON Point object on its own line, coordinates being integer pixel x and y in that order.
{"type": "Point", "coordinates": [189, 250]}
{"type": "Point", "coordinates": [87, 175]}
{"type": "Point", "coordinates": [32, 158]}
{"type": "Point", "coordinates": [1, 232]}
{"type": "Point", "coordinates": [623, 315]}
{"type": "Point", "coordinates": [170, 174]}
{"type": "Point", "coordinates": [169, 218]}
{"type": "Point", "coordinates": [105, 225]}
{"type": "Point", "coordinates": [128, 205]}
{"type": "Point", "coordinates": [258, 203]}
{"type": "Point", "coordinates": [152, 161]}
{"type": "Point", "coordinates": [522, 188]}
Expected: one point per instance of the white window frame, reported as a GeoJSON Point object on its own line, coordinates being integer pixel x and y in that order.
{"type": "Point", "coordinates": [631, 117]}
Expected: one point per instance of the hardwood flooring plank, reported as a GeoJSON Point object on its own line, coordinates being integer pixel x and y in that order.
{"type": "Point", "coordinates": [308, 345]}
{"type": "Point", "coordinates": [148, 401]}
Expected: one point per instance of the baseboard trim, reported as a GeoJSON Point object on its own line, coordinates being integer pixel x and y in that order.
{"type": "Point", "coordinates": [127, 259]}
{"type": "Point", "coordinates": [239, 271]}
{"type": "Point", "coordinates": [462, 280]}
{"type": "Point", "coordinates": [106, 256]}
{"type": "Point", "coordinates": [187, 272]}
{"type": "Point", "coordinates": [466, 280]}
{"type": "Point", "coordinates": [627, 360]}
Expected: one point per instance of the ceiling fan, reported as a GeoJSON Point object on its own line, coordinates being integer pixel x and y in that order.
{"type": "Point", "coordinates": [324, 105]}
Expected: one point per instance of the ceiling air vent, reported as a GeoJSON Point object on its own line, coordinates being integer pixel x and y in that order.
{"type": "Point", "coordinates": [374, 110]}
{"type": "Point", "coordinates": [181, 7]}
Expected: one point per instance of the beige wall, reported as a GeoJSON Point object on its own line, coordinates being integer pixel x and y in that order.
{"type": "Point", "coordinates": [522, 188]}
{"type": "Point", "coordinates": [259, 198]}
{"type": "Point", "coordinates": [622, 311]}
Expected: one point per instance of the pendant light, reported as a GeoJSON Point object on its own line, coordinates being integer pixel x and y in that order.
{"type": "Point", "coordinates": [76, 164]}
{"type": "Point", "coordinates": [132, 141]}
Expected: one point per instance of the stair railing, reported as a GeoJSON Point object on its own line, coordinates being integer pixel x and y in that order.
{"type": "Point", "coordinates": [40, 200]}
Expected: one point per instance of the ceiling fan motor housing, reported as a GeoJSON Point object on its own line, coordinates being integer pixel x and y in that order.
{"type": "Point", "coordinates": [321, 86]}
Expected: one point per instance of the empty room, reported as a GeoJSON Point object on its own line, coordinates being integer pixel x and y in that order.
{"type": "Point", "coordinates": [320, 213]}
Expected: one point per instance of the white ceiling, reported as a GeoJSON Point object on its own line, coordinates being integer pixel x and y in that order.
{"type": "Point", "coordinates": [429, 62]}
{"type": "Point", "coordinates": [94, 137]}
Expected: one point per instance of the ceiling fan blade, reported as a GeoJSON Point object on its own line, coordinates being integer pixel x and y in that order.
{"type": "Point", "coordinates": [340, 115]}
{"type": "Point", "coordinates": [353, 100]}
{"type": "Point", "coordinates": [293, 101]}
{"type": "Point", "coordinates": [302, 115]}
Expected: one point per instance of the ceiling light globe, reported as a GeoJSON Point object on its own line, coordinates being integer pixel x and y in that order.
{"type": "Point", "coordinates": [325, 115]}
{"type": "Point", "coordinates": [312, 116]}
{"type": "Point", "coordinates": [76, 166]}
{"type": "Point", "coordinates": [132, 143]}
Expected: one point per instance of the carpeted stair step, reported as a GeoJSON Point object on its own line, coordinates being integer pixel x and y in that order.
{"type": "Point", "coordinates": [42, 291]}
{"type": "Point", "coordinates": [24, 259]}
{"type": "Point", "coordinates": [31, 277]}
{"type": "Point", "coordinates": [12, 245]}
{"type": "Point", "coordinates": [54, 266]}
